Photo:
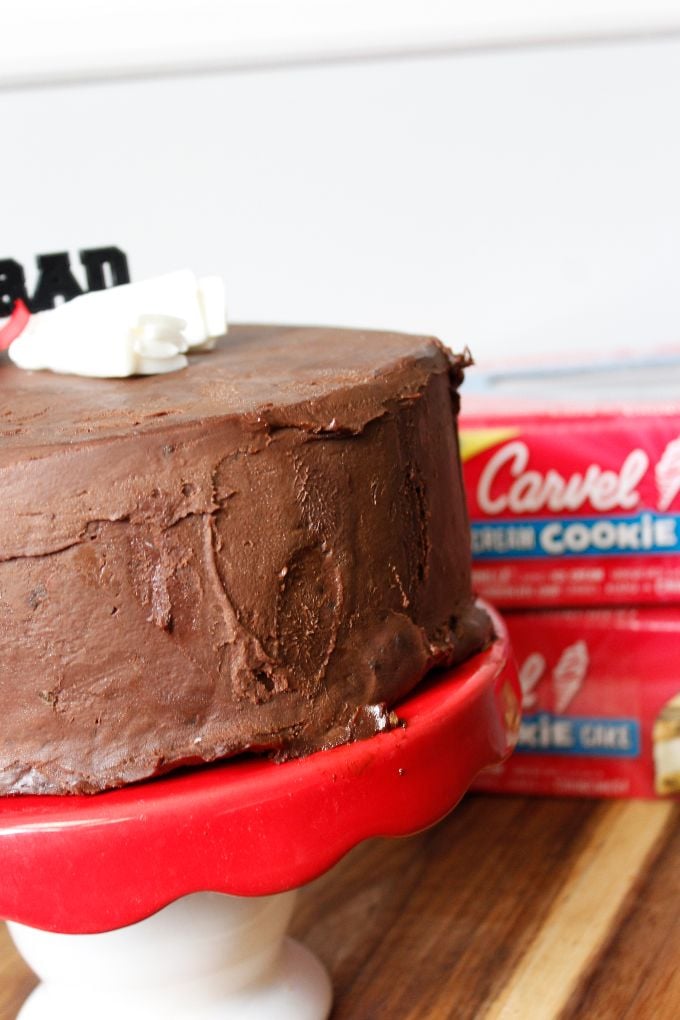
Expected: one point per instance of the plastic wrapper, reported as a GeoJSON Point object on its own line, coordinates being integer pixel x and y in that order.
{"type": "Point", "coordinates": [573, 485]}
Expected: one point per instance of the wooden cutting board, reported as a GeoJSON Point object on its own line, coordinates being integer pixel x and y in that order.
{"type": "Point", "coordinates": [511, 908]}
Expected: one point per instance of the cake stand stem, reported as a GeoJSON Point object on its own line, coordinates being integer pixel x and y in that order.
{"type": "Point", "coordinates": [204, 957]}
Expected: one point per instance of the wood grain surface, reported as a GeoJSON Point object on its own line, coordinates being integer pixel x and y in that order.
{"type": "Point", "coordinates": [510, 908]}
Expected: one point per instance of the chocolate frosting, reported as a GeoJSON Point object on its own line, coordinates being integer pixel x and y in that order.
{"type": "Point", "coordinates": [263, 551]}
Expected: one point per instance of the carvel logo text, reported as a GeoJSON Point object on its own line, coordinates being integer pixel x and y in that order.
{"type": "Point", "coordinates": [506, 484]}
{"type": "Point", "coordinates": [573, 493]}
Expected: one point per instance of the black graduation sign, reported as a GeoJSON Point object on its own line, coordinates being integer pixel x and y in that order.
{"type": "Point", "coordinates": [56, 283]}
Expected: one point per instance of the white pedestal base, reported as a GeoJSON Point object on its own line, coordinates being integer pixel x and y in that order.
{"type": "Point", "coordinates": [205, 957]}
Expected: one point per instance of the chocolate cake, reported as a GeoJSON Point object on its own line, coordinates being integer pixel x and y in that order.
{"type": "Point", "coordinates": [262, 551]}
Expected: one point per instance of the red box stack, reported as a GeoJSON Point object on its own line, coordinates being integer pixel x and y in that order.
{"type": "Point", "coordinates": [573, 482]}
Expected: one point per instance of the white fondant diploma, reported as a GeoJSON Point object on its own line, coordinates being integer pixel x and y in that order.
{"type": "Point", "coordinates": [134, 329]}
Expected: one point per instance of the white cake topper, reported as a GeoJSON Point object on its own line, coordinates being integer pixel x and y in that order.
{"type": "Point", "coordinates": [133, 329]}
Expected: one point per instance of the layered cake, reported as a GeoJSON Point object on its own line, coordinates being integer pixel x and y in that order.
{"type": "Point", "coordinates": [263, 551]}
{"type": "Point", "coordinates": [666, 741]}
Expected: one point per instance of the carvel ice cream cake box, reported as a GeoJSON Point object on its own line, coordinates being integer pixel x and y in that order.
{"type": "Point", "coordinates": [573, 484]}
{"type": "Point", "coordinates": [601, 704]}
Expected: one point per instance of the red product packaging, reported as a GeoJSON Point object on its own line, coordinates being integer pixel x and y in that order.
{"type": "Point", "coordinates": [573, 485]}
{"type": "Point", "coordinates": [601, 704]}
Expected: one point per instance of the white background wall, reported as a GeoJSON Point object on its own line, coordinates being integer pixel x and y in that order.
{"type": "Point", "coordinates": [511, 199]}
{"type": "Point", "coordinates": [74, 39]}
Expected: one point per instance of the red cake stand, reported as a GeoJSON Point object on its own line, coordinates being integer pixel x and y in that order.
{"type": "Point", "coordinates": [117, 900]}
